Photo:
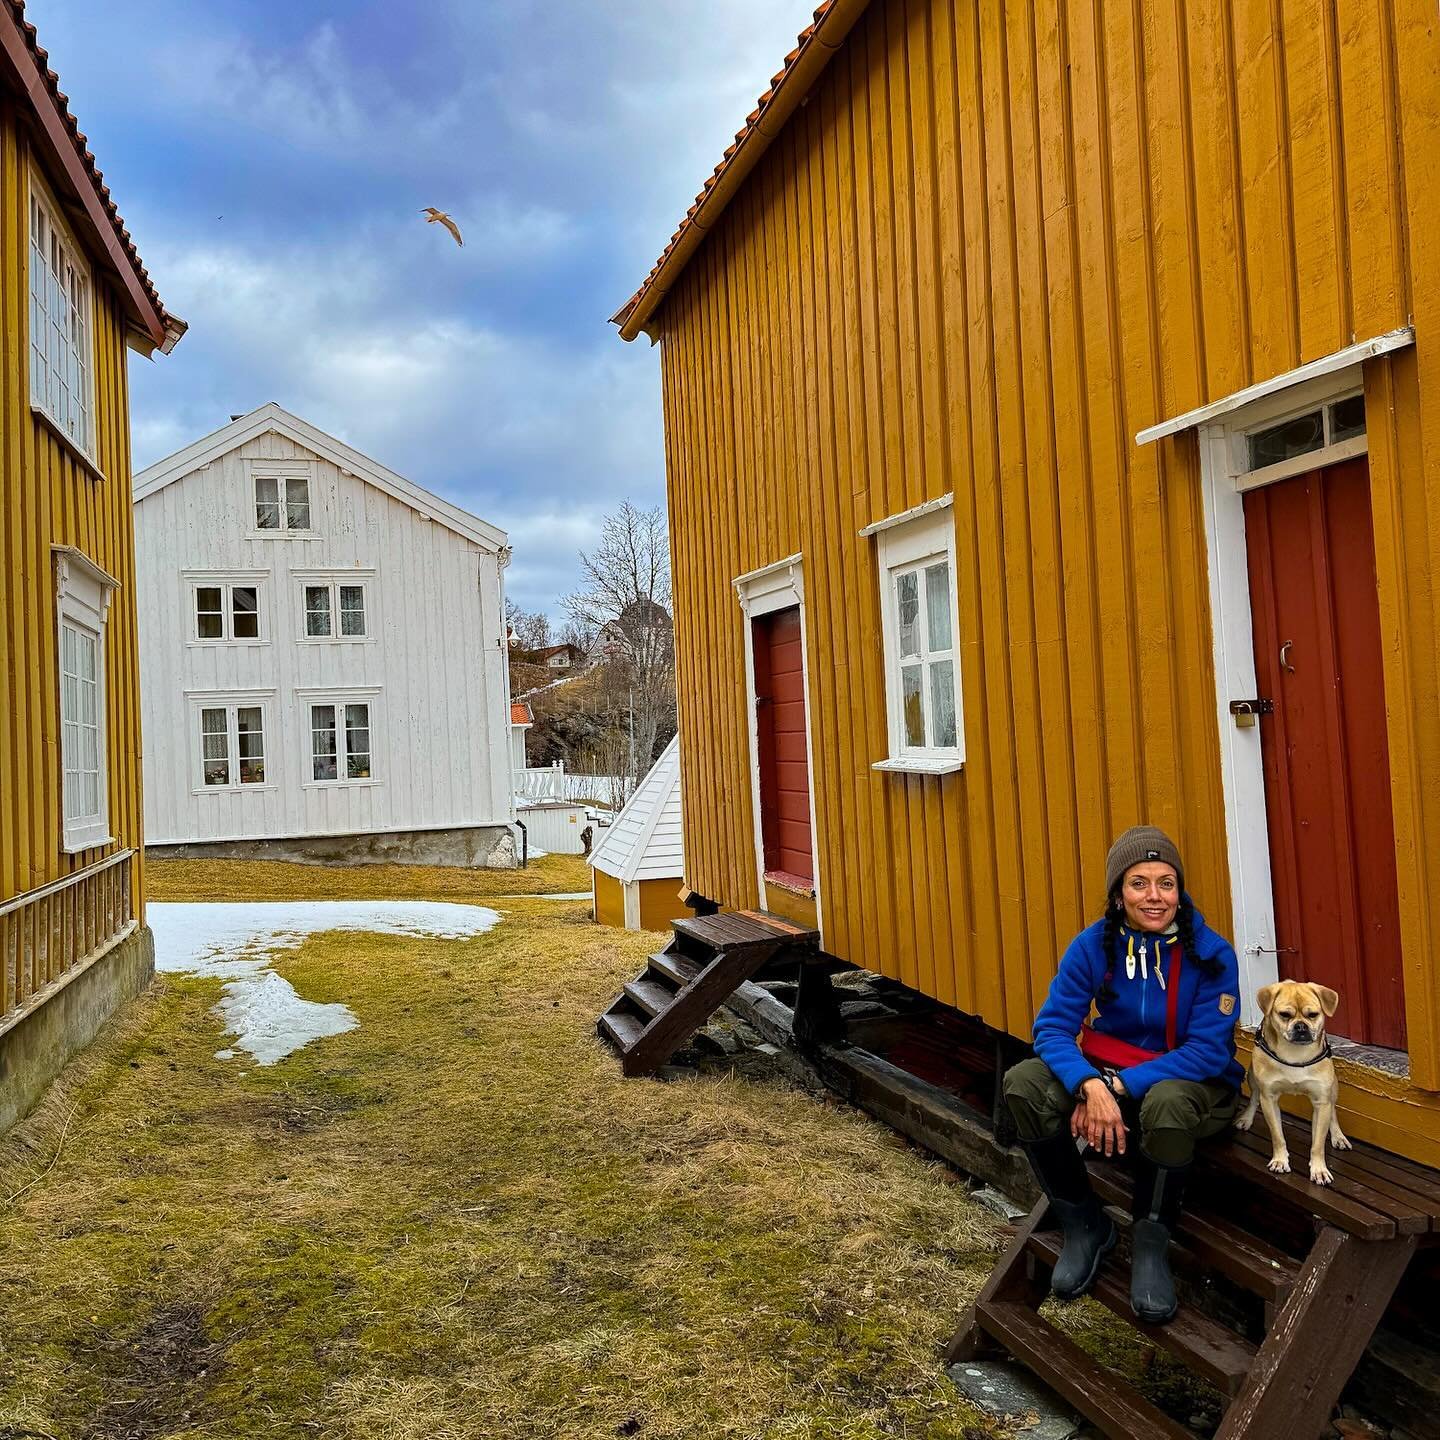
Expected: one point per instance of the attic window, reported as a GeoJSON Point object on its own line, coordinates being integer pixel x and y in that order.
{"type": "Point", "coordinates": [282, 502]}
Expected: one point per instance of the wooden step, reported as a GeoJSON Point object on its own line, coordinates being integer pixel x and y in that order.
{"type": "Point", "coordinates": [1103, 1398]}
{"type": "Point", "coordinates": [649, 995]}
{"type": "Point", "coordinates": [678, 969]}
{"type": "Point", "coordinates": [1207, 1347]}
{"type": "Point", "coordinates": [620, 1027]}
{"type": "Point", "coordinates": [1211, 1242]}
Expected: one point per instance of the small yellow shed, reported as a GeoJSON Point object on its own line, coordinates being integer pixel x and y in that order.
{"type": "Point", "coordinates": [637, 867]}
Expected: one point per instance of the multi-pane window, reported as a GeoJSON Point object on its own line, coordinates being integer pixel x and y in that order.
{"type": "Point", "coordinates": [60, 345]}
{"type": "Point", "coordinates": [916, 555]}
{"type": "Point", "coordinates": [232, 745]}
{"type": "Point", "coordinates": [282, 502]}
{"type": "Point", "coordinates": [926, 644]}
{"type": "Point", "coordinates": [80, 724]}
{"type": "Point", "coordinates": [340, 741]}
{"type": "Point", "coordinates": [227, 612]}
{"type": "Point", "coordinates": [83, 601]}
{"type": "Point", "coordinates": [334, 609]}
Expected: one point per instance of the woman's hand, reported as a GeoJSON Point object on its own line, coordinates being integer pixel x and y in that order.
{"type": "Point", "coordinates": [1097, 1117]}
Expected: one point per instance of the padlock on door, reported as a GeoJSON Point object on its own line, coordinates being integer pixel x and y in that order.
{"type": "Point", "coordinates": [1248, 712]}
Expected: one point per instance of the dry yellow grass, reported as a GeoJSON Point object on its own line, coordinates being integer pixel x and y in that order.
{"type": "Point", "coordinates": [458, 1220]}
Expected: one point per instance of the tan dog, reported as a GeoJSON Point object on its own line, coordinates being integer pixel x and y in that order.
{"type": "Point", "coordinates": [1292, 1057]}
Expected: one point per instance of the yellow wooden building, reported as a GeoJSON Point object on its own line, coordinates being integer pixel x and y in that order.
{"type": "Point", "coordinates": [73, 297]}
{"type": "Point", "coordinates": [1055, 391]}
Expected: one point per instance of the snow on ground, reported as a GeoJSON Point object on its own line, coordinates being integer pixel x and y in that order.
{"type": "Point", "coordinates": [235, 943]}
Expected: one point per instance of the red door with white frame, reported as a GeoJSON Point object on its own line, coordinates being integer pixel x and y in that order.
{"type": "Point", "coordinates": [1316, 619]}
{"type": "Point", "coordinates": [782, 748]}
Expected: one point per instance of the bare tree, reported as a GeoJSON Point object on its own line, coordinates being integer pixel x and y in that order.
{"type": "Point", "coordinates": [625, 602]}
{"type": "Point", "coordinates": [532, 630]}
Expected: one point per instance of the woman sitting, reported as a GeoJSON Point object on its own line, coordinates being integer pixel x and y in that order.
{"type": "Point", "coordinates": [1160, 1052]}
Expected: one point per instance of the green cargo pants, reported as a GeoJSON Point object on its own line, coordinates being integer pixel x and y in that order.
{"type": "Point", "coordinates": [1172, 1116]}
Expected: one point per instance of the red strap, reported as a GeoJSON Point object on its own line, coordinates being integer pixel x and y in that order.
{"type": "Point", "coordinates": [1102, 1049]}
{"type": "Point", "coordinates": [1172, 991]}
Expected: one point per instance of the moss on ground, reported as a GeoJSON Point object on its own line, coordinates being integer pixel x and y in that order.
{"type": "Point", "coordinates": [458, 1220]}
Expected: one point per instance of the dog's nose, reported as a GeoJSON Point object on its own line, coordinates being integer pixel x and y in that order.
{"type": "Point", "coordinates": [1300, 1032]}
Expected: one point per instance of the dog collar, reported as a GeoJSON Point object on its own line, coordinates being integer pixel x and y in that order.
{"type": "Point", "coordinates": [1293, 1064]}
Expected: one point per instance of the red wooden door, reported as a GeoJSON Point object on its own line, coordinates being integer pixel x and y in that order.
{"type": "Point", "coordinates": [784, 769]}
{"type": "Point", "coordinates": [1326, 759]}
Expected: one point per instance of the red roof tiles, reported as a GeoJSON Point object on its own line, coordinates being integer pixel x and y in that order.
{"type": "Point", "coordinates": [171, 327]}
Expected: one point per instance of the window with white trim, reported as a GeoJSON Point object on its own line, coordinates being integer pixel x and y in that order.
{"type": "Point", "coordinates": [232, 744]}
{"type": "Point", "coordinates": [83, 604]}
{"type": "Point", "coordinates": [282, 501]}
{"type": "Point", "coordinates": [1297, 431]}
{"type": "Point", "coordinates": [225, 610]}
{"type": "Point", "coordinates": [334, 609]}
{"type": "Point", "coordinates": [340, 741]}
{"type": "Point", "coordinates": [920, 624]}
{"type": "Point", "coordinates": [61, 369]}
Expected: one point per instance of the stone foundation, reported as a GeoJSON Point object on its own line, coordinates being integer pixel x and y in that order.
{"type": "Point", "coordinates": [476, 847]}
{"type": "Point", "coordinates": [40, 1042]}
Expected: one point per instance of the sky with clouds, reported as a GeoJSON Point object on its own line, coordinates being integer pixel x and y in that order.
{"type": "Point", "coordinates": [271, 158]}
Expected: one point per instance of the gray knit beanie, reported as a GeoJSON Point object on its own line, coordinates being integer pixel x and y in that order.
{"type": "Point", "coordinates": [1137, 845]}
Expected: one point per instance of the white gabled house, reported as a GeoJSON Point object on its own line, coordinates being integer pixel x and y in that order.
{"type": "Point", "coordinates": [637, 866]}
{"type": "Point", "coordinates": [322, 655]}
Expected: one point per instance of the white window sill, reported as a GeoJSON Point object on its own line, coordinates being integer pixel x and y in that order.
{"type": "Point", "coordinates": [74, 845]}
{"type": "Point", "coordinates": [54, 428]}
{"type": "Point", "coordinates": [338, 784]}
{"type": "Point", "coordinates": [281, 535]}
{"type": "Point", "coordinates": [231, 789]}
{"type": "Point", "coordinates": [921, 765]}
{"type": "Point", "coordinates": [334, 639]}
{"type": "Point", "coordinates": [242, 644]}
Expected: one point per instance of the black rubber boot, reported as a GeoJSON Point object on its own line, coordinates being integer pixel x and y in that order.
{"type": "Point", "coordinates": [1159, 1193]}
{"type": "Point", "coordinates": [1089, 1232]}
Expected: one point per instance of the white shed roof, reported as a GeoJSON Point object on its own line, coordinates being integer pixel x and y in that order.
{"type": "Point", "coordinates": [644, 842]}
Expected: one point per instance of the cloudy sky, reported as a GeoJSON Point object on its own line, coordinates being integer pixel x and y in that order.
{"type": "Point", "coordinates": [271, 158]}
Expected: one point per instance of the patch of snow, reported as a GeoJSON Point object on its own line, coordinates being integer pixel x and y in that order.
{"type": "Point", "coordinates": [235, 943]}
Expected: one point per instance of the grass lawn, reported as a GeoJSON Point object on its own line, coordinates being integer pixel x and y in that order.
{"type": "Point", "coordinates": [458, 1220]}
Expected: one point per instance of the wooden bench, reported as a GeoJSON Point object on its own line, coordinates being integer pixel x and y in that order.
{"type": "Point", "coordinates": [1322, 1263]}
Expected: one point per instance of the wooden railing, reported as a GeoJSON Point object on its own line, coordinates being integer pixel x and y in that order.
{"type": "Point", "coordinates": [46, 934]}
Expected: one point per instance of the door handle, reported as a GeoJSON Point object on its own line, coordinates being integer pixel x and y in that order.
{"type": "Point", "coordinates": [1285, 657]}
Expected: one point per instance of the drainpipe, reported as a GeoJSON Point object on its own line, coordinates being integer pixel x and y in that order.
{"type": "Point", "coordinates": [524, 844]}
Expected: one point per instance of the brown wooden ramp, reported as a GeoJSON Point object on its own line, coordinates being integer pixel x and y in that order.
{"type": "Point", "coordinates": [683, 985]}
{"type": "Point", "coordinates": [1323, 1292]}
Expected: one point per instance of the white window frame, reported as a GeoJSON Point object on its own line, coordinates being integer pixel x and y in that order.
{"type": "Point", "coordinates": [83, 592]}
{"type": "Point", "coordinates": [232, 701]}
{"type": "Point", "coordinates": [227, 581]}
{"type": "Point", "coordinates": [74, 421]}
{"type": "Point", "coordinates": [340, 697]}
{"type": "Point", "coordinates": [280, 471]}
{"type": "Point", "coordinates": [912, 541]}
{"type": "Point", "coordinates": [333, 580]}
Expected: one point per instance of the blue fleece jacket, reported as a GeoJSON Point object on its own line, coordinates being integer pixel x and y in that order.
{"type": "Point", "coordinates": [1205, 1015]}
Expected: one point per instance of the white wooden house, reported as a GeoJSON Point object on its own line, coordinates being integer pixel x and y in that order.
{"type": "Point", "coordinates": [323, 662]}
{"type": "Point", "coordinates": [637, 865]}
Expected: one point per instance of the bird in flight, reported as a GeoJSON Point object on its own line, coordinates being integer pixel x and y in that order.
{"type": "Point", "coordinates": [439, 217]}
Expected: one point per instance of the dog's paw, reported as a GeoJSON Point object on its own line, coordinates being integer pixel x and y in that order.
{"type": "Point", "coordinates": [1244, 1122]}
{"type": "Point", "coordinates": [1339, 1141]}
{"type": "Point", "coordinates": [1319, 1175]}
{"type": "Point", "coordinates": [1280, 1164]}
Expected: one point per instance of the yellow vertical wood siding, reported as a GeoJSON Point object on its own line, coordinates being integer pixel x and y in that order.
{"type": "Point", "coordinates": [49, 497]}
{"type": "Point", "coordinates": [995, 242]}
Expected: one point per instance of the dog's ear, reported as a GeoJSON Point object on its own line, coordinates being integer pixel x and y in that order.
{"type": "Point", "coordinates": [1327, 997]}
{"type": "Point", "coordinates": [1264, 996]}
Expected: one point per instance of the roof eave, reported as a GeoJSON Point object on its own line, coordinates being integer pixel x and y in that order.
{"type": "Point", "coordinates": [21, 69]}
{"type": "Point", "coordinates": [804, 66]}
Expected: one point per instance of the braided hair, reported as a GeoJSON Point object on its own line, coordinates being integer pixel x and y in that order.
{"type": "Point", "coordinates": [1184, 932]}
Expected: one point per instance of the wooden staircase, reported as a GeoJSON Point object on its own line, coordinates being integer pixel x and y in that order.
{"type": "Point", "coordinates": [682, 986]}
{"type": "Point", "coordinates": [1322, 1281]}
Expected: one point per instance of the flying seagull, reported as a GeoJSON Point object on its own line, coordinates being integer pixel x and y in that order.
{"type": "Point", "coordinates": [439, 217]}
